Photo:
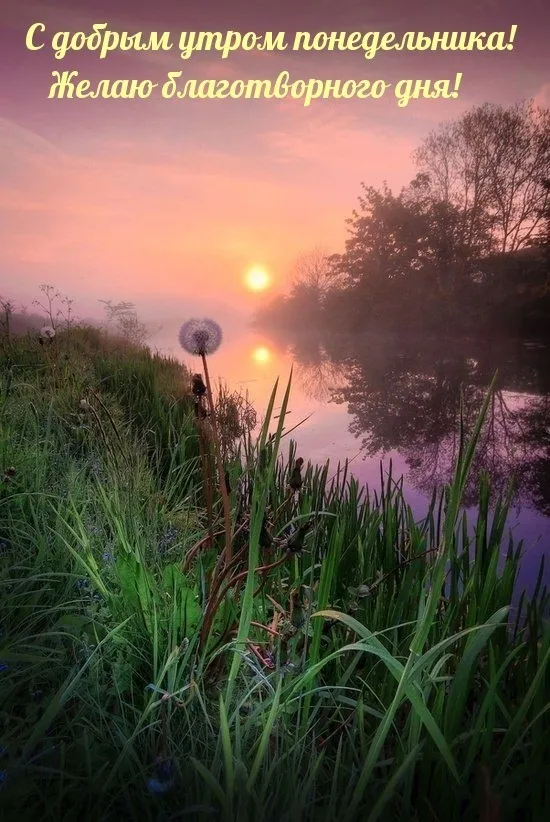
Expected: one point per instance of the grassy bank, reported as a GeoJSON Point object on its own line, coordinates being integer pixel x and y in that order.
{"type": "Point", "coordinates": [357, 665]}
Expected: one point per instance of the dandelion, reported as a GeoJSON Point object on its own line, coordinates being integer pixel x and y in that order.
{"type": "Point", "coordinates": [47, 334]}
{"type": "Point", "coordinates": [201, 338]}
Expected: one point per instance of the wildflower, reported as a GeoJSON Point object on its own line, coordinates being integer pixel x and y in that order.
{"type": "Point", "coordinates": [200, 337]}
{"type": "Point", "coordinates": [164, 776]}
{"type": "Point", "coordinates": [9, 473]}
{"type": "Point", "coordinates": [107, 556]}
{"type": "Point", "coordinates": [167, 539]}
{"type": "Point", "coordinates": [82, 584]}
{"type": "Point", "coordinates": [156, 786]}
{"type": "Point", "coordinates": [3, 667]}
{"type": "Point", "coordinates": [47, 333]}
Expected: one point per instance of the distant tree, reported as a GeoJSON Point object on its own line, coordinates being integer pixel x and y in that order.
{"type": "Point", "coordinates": [489, 164]}
{"type": "Point", "coordinates": [123, 317]}
{"type": "Point", "coordinates": [543, 237]}
{"type": "Point", "coordinates": [314, 271]}
{"type": "Point", "coordinates": [312, 278]}
{"type": "Point", "coordinates": [6, 308]}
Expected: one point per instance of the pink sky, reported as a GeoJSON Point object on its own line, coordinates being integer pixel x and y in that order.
{"type": "Point", "coordinates": [167, 202]}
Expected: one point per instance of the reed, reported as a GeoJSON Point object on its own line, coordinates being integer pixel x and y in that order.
{"type": "Point", "coordinates": [376, 670]}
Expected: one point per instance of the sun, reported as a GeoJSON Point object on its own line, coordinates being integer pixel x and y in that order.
{"type": "Point", "coordinates": [257, 278]}
{"type": "Point", "coordinates": [261, 355]}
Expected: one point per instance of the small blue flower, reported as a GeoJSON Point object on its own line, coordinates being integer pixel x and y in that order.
{"type": "Point", "coordinates": [3, 777]}
{"type": "Point", "coordinates": [156, 786]}
{"type": "Point", "coordinates": [107, 556]}
{"type": "Point", "coordinates": [82, 584]}
{"type": "Point", "coordinates": [167, 539]}
{"type": "Point", "coordinates": [3, 667]}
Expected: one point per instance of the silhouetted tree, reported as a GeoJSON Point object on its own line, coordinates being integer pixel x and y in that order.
{"type": "Point", "coordinates": [489, 164]}
{"type": "Point", "coordinates": [405, 251]}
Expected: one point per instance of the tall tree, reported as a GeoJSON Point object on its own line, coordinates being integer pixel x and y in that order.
{"type": "Point", "coordinates": [490, 164]}
{"type": "Point", "coordinates": [403, 244]}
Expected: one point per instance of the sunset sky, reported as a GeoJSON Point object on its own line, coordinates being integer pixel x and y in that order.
{"type": "Point", "coordinates": [168, 202]}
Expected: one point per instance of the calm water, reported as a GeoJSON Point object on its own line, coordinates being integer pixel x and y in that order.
{"type": "Point", "coordinates": [373, 399]}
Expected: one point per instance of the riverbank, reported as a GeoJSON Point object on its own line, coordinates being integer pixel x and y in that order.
{"type": "Point", "coordinates": [336, 678]}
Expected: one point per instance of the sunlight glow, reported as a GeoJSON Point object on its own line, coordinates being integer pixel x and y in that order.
{"type": "Point", "coordinates": [257, 278]}
{"type": "Point", "coordinates": [261, 355]}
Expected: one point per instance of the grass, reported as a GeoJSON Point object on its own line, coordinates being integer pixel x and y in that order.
{"type": "Point", "coordinates": [379, 673]}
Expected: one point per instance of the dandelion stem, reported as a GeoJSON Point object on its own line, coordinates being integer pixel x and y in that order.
{"type": "Point", "coordinates": [221, 473]}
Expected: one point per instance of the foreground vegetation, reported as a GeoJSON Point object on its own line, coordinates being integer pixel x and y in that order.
{"type": "Point", "coordinates": [358, 663]}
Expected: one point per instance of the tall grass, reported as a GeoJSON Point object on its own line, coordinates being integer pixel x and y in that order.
{"type": "Point", "coordinates": [378, 673]}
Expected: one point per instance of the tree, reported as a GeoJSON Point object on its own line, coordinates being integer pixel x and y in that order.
{"type": "Point", "coordinates": [313, 276]}
{"type": "Point", "coordinates": [543, 237]}
{"type": "Point", "coordinates": [490, 164]}
{"type": "Point", "coordinates": [405, 247]}
{"type": "Point", "coordinates": [127, 322]}
{"type": "Point", "coordinates": [314, 271]}
{"type": "Point", "coordinates": [7, 308]}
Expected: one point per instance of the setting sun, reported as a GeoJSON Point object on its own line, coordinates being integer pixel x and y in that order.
{"type": "Point", "coordinates": [261, 355]}
{"type": "Point", "coordinates": [257, 278]}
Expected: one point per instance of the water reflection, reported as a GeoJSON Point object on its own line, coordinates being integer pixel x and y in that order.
{"type": "Point", "coordinates": [377, 397]}
{"type": "Point", "coordinates": [406, 396]}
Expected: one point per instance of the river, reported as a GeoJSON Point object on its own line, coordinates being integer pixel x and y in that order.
{"type": "Point", "coordinates": [372, 399]}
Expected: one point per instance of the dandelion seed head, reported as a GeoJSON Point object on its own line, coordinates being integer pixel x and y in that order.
{"type": "Point", "coordinates": [200, 337]}
{"type": "Point", "coordinates": [47, 332]}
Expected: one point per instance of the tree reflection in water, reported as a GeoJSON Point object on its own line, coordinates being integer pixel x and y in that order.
{"type": "Point", "coordinates": [404, 395]}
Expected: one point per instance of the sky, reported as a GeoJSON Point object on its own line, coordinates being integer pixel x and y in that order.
{"type": "Point", "coordinates": [167, 203]}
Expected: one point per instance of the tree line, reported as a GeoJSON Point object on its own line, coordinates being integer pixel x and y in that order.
{"type": "Point", "coordinates": [464, 247]}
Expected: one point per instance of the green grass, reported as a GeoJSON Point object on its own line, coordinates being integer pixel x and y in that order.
{"type": "Point", "coordinates": [396, 671]}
